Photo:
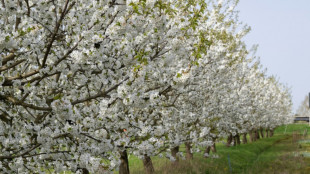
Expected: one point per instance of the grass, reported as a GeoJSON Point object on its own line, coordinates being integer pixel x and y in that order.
{"type": "Point", "coordinates": [292, 128]}
{"type": "Point", "coordinates": [268, 155]}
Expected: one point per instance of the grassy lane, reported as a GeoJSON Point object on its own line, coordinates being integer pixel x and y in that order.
{"type": "Point", "coordinates": [269, 155]}
{"type": "Point", "coordinates": [244, 159]}
{"type": "Point", "coordinates": [285, 158]}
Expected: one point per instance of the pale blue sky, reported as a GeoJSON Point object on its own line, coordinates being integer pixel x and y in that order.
{"type": "Point", "coordinates": [281, 28]}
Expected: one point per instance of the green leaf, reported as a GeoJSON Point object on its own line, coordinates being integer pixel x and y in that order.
{"type": "Point", "coordinates": [57, 97]}
{"type": "Point", "coordinates": [7, 38]}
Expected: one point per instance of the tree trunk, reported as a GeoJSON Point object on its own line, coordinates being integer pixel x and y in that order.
{"type": "Point", "coordinates": [238, 139]}
{"type": "Point", "coordinates": [244, 139]}
{"type": "Point", "coordinates": [257, 134]}
{"type": "Point", "coordinates": [213, 148]}
{"type": "Point", "coordinates": [267, 133]}
{"type": "Point", "coordinates": [124, 167]}
{"type": "Point", "coordinates": [207, 151]}
{"type": "Point", "coordinates": [262, 132]}
{"type": "Point", "coordinates": [229, 140]}
{"type": "Point", "coordinates": [271, 132]}
{"type": "Point", "coordinates": [254, 135]}
{"type": "Point", "coordinates": [84, 170]}
{"type": "Point", "coordinates": [174, 152]}
{"type": "Point", "coordinates": [148, 165]}
{"type": "Point", "coordinates": [251, 136]}
{"type": "Point", "coordinates": [234, 140]}
{"type": "Point", "coordinates": [189, 154]}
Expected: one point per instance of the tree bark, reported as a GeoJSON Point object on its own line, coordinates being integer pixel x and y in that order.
{"type": "Point", "coordinates": [84, 170]}
{"type": "Point", "coordinates": [189, 154]}
{"type": "Point", "coordinates": [257, 134]}
{"type": "Point", "coordinates": [148, 165]}
{"type": "Point", "coordinates": [254, 135]}
{"type": "Point", "coordinates": [124, 167]}
{"type": "Point", "coordinates": [244, 139]}
{"type": "Point", "coordinates": [207, 151]}
{"type": "Point", "coordinates": [213, 148]}
{"type": "Point", "coordinates": [262, 132]}
{"type": "Point", "coordinates": [174, 152]}
{"type": "Point", "coordinates": [271, 132]}
{"type": "Point", "coordinates": [234, 140]}
{"type": "Point", "coordinates": [238, 139]}
{"type": "Point", "coordinates": [229, 140]}
{"type": "Point", "coordinates": [251, 136]}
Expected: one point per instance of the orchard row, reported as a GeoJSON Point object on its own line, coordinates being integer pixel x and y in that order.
{"type": "Point", "coordinates": [85, 83]}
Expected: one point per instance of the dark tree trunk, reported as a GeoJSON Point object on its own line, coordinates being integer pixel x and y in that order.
{"type": "Point", "coordinates": [229, 140]}
{"type": "Point", "coordinates": [124, 167]}
{"type": "Point", "coordinates": [244, 139]}
{"type": "Point", "coordinates": [148, 165]}
{"type": "Point", "coordinates": [84, 170]}
{"type": "Point", "coordinates": [213, 148]}
{"type": "Point", "coordinates": [189, 154]}
{"type": "Point", "coordinates": [271, 132]}
{"type": "Point", "coordinates": [234, 140]}
{"type": "Point", "coordinates": [267, 133]}
{"type": "Point", "coordinates": [254, 135]}
{"type": "Point", "coordinates": [238, 139]}
{"type": "Point", "coordinates": [257, 134]}
{"type": "Point", "coordinates": [262, 132]}
{"type": "Point", "coordinates": [174, 152]}
{"type": "Point", "coordinates": [207, 151]}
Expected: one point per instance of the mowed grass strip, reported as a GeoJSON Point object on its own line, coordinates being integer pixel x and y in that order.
{"type": "Point", "coordinates": [267, 155]}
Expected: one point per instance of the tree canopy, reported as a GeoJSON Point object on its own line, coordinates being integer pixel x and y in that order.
{"type": "Point", "coordinates": [83, 81]}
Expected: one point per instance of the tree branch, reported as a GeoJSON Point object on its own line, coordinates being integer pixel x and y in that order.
{"type": "Point", "coordinates": [8, 80]}
{"type": "Point", "coordinates": [49, 46]}
{"type": "Point", "coordinates": [21, 155]}
{"type": "Point", "coordinates": [99, 94]}
{"type": "Point", "coordinates": [9, 57]}
{"type": "Point", "coordinates": [3, 68]}
{"type": "Point", "coordinates": [15, 101]}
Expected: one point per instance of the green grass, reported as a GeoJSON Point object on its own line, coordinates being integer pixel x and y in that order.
{"type": "Point", "coordinates": [291, 128]}
{"type": "Point", "coordinates": [267, 155]}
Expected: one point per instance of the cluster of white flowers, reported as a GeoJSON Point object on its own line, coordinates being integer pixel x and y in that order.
{"type": "Point", "coordinates": [83, 81]}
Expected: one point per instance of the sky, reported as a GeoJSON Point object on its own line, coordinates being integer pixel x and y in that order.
{"type": "Point", "coordinates": [281, 28]}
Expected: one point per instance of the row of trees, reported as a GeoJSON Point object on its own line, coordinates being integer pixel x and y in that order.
{"type": "Point", "coordinates": [84, 83]}
{"type": "Point", "coordinates": [303, 109]}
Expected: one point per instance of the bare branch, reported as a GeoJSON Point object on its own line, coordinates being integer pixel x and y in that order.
{"type": "Point", "coordinates": [37, 154]}
{"type": "Point", "coordinates": [28, 7]}
{"type": "Point", "coordinates": [21, 155]}
{"type": "Point", "coordinates": [68, 53]}
{"type": "Point", "coordinates": [49, 46]}
{"type": "Point", "coordinates": [9, 57]}
{"type": "Point", "coordinates": [18, 19]}
{"type": "Point", "coordinates": [15, 101]}
{"type": "Point", "coordinates": [8, 80]}
{"type": "Point", "coordinates": [3, 68]}
{"type": "Point", "coordinates": [99, 94]}
{"type": "Point", "coordinates": [90, 137]}
{"type": "Point", "coordinates": [5, 117]}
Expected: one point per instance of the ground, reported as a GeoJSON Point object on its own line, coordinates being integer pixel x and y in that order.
{"type": "Point", "coordinates": [286, 152]}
